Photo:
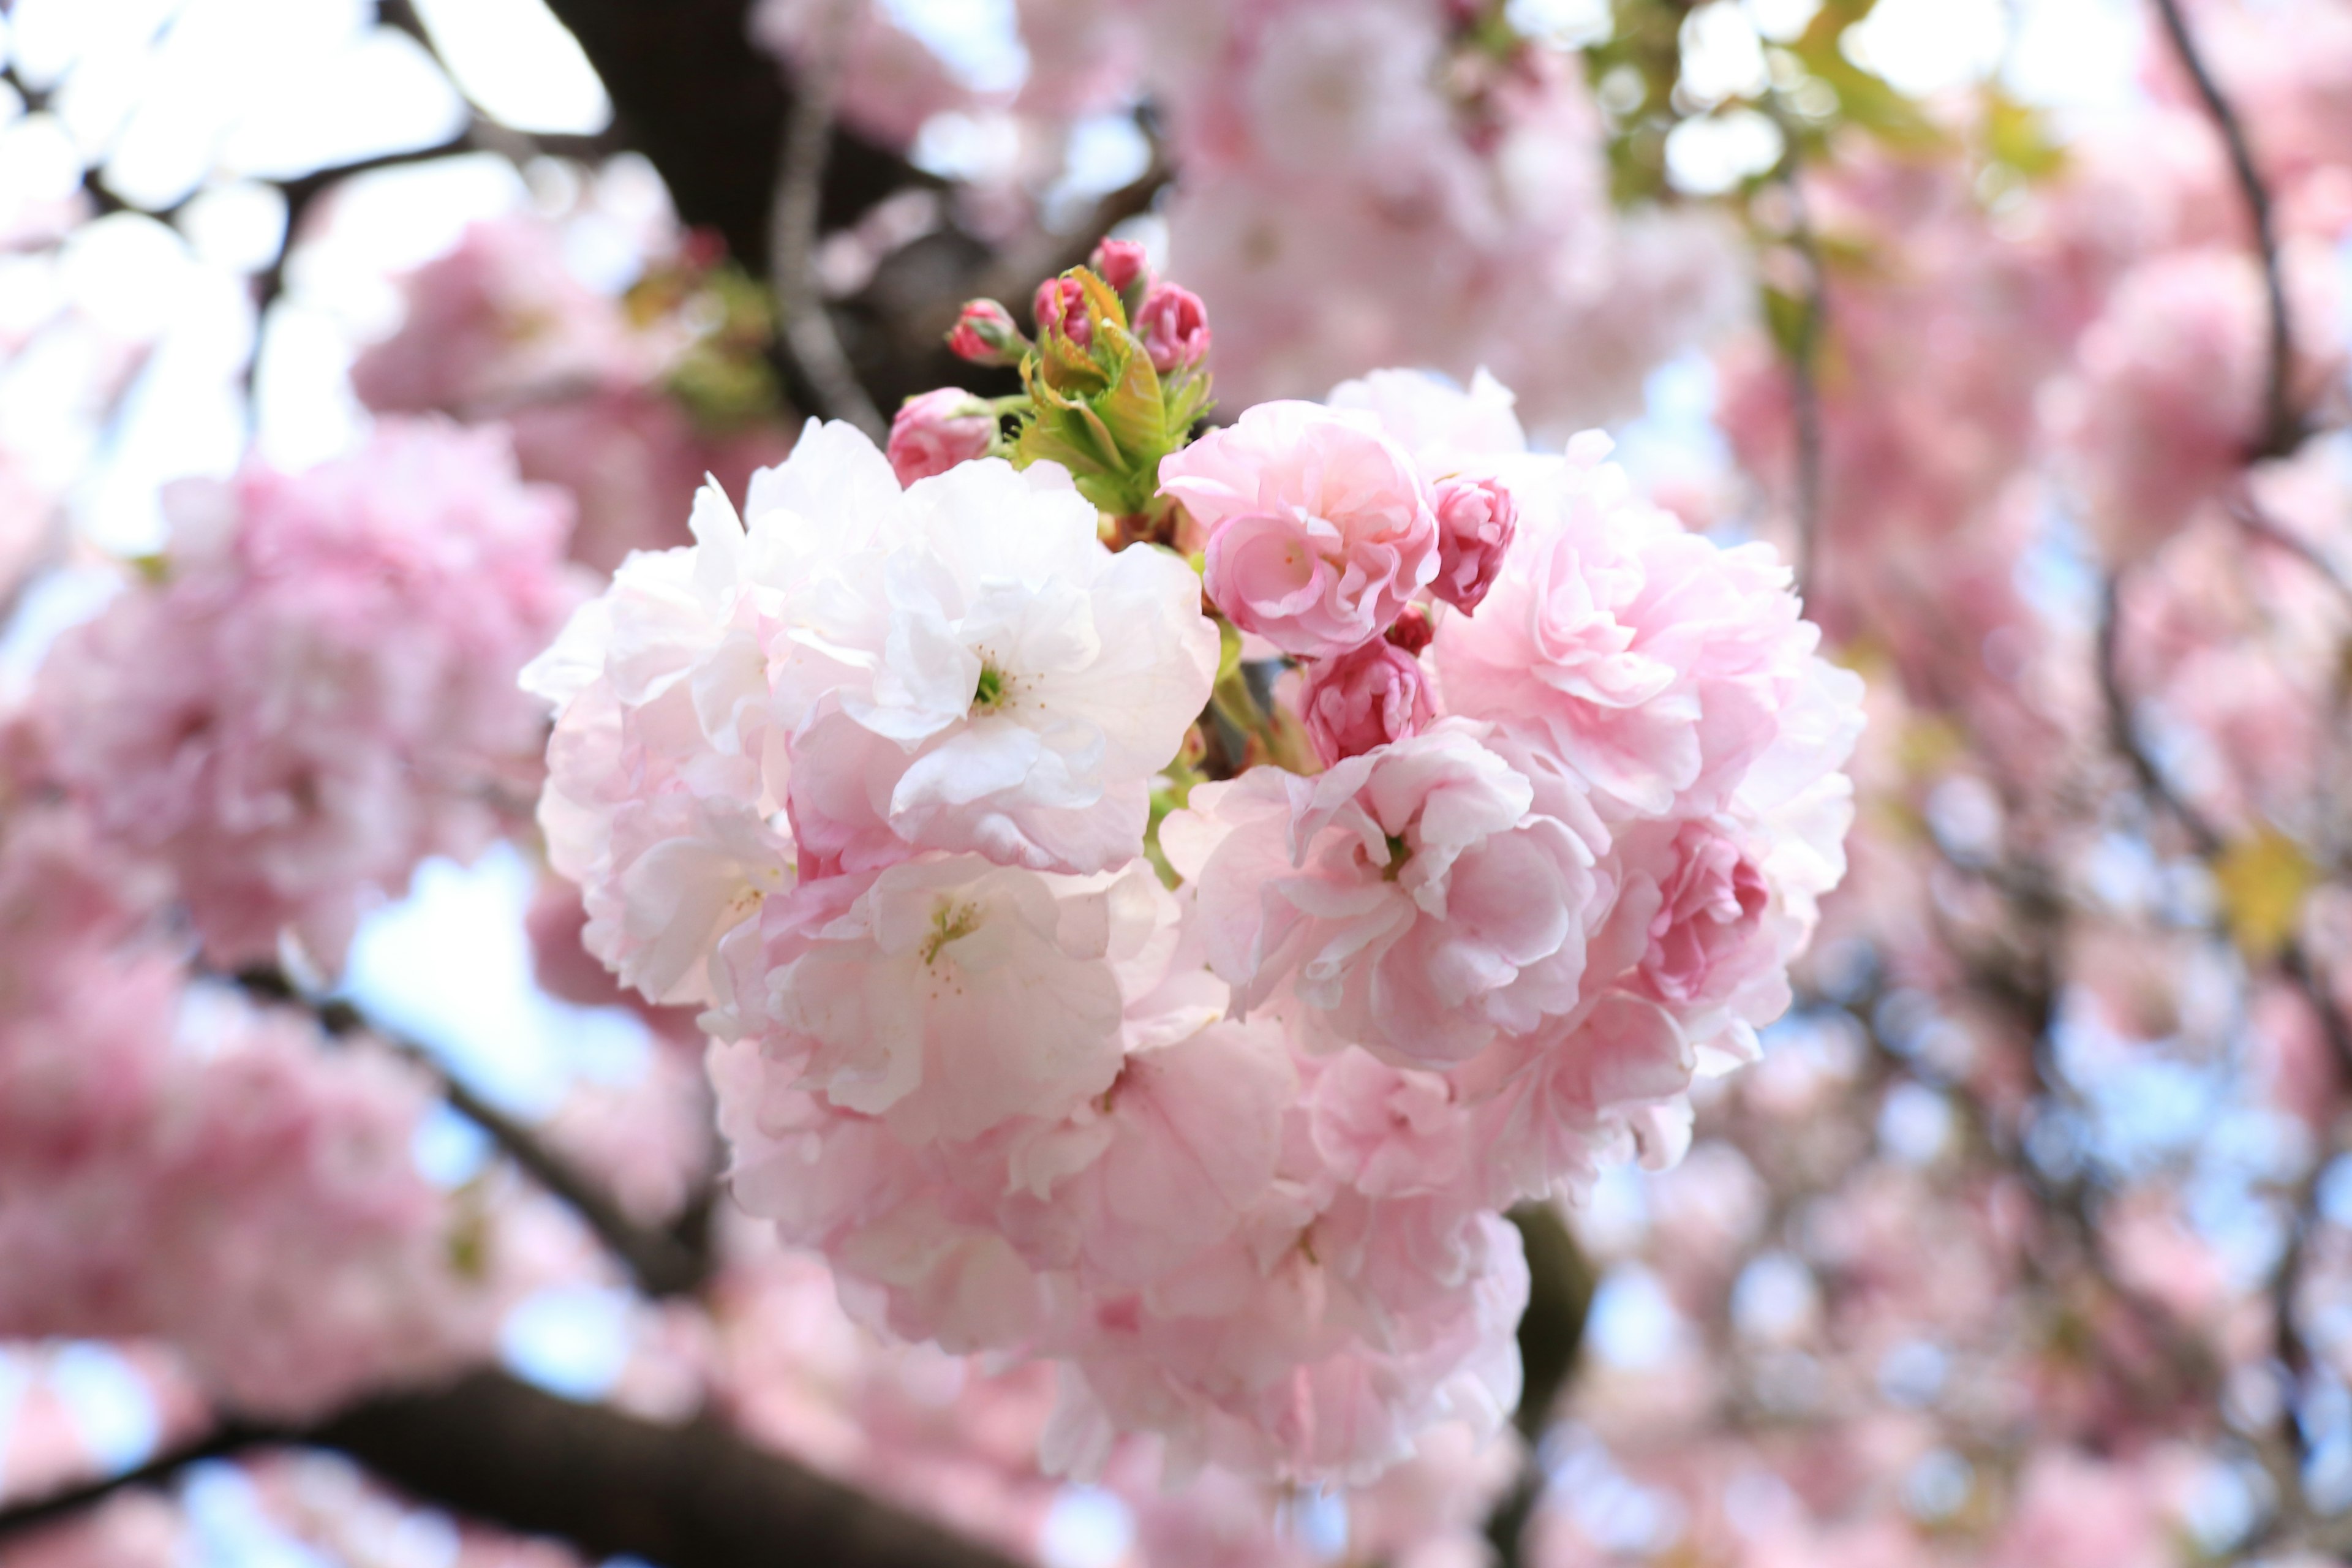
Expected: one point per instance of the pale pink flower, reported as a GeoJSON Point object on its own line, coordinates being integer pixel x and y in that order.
{"type": "Point", "coordinates": [1651, 661]}
{"type": "Point", "coordinates": [666, 782]}
{"type": "Point", "coordinates": [1253, 1358]}
{"type": "Point", "coordinates": [964, 666]}
{"type": "Point", "coordinates": [934, 431]}
{"type": "Point", "coordinates": [1387, 1130]}
{"type": "Point", "coordinates": [1707, 935]}
{"type": "Point", "coordinates": [1319, 527]}
{"type": "Point", "coordinates": [1418, 898]}
{"type": "Point", "coordinates": [947, 994]}
{"type": "Point", "coordinates": [1446, 428]}
{"type": "Point", "coordinates": [27, 525]}
{"type": "Point", "coordinates": [1364, 699]}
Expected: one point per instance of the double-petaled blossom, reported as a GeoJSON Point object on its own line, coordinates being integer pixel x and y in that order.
{"type": "Point", "coordinates": [1654, 663]}
{"type": "Point", "coordinates": [1418, 899]}
{"type": "Point", "coordinates": [1364, 698]}
{"type": "Point", "coordinates": [963, 665]}
{"type": "Point", "coordinates": [1319, 526]}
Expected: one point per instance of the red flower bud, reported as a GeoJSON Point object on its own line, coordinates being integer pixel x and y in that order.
{"type": "Point", "coordinates": [1121, 263]}
{"type": "Point", "coordinates": [936, 430]}
{"type": "Point", "coordinates": [985, 335]}
{"type": "Point", "coordinates": [1062, 308]}
{"type": "Point", "coordinates": [1411, 630]}
{"type": "Point", "coordinates": [1174, 327]}
{"type": "Point", "coordinates": [1476, 520]}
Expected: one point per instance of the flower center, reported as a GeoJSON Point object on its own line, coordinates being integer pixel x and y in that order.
{"type": "Point", "coordinates": [949, 923]}
{"type": "Point", "coordinates": [1398, 853]}
{"type": "Point", "coordinates": [988, 696]}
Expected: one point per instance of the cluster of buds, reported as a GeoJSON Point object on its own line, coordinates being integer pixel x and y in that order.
{"type": "Point", "coordinates": [1114, 380]}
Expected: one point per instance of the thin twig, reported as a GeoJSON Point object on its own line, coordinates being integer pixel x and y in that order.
{"type": "Point", "coordinates": [809, 338]}
{"type": "Point", "coordinates": [2124, 733]}
{"type": "Point", "coordinates": [2283, 428]}
{"type": "Point", "coordinates": [50, 1507]}
{"type": "Point", "coordinates": [1804, 369]}
{"type": "Point", "coordinates": [666, 1262]}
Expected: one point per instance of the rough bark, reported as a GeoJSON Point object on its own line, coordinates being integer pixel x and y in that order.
{"type": "Point", "coordinates": [692, 94]}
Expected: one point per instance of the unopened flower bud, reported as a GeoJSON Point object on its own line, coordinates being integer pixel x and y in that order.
{"type": "Point", "coordinates": [1477, 518]}
{"type": "Point", "coordinates": [936, 430]}
{"type": "Point", "coordinates": [1411, 630]}
{"type": "Point", "coordinates": [1174, 327]}
{"type": "Point", "coordinates": [985, 335]}
{"type": "Point", "coordinates": [1364, 698]}
{"type": "Point", "coordinates": [1062, 308]}
{"type": "Point", "coordinates": [1121, 263]}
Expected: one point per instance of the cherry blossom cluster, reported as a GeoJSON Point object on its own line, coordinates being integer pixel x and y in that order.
{"type": "Point", "coordinates": [886, 772]}
{"type": "Point", "coordinates": [178, 1165]}
{"type": "Point", "coordinates": [312, 689]}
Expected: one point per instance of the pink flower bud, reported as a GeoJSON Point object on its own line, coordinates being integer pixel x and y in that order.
{"type": "Point", "coordinates": [985, 335]}
{"type": "Point", "coordinates": [1476, 520]}
{"type": "Point", "coordinates": [1121, 263]}
{"type": "Point", "coordinates": [1062, 308]}
{"type": "Point", "coordinates": [1411, 630]}
{"type": "Point", "coordinates": [1365, 698]}
{"type": "Point", "coordinates": [1174, 327]}
{"type": "Point", "coordinates": [937, 430]}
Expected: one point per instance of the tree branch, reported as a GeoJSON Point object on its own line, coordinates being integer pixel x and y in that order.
{"type": "Point", "coordinates": [51, 1507]}
{"type": "Point", "coordinates": [2283, 427]}
{"type": "Point", "coordinates": [708, 110]}
{"type": "Point", "coordinates": [808, 335]}
{"type": "Point", "coordinates": [500, 1451]}
{"type": "Point", "coordinates": [2124, 735]}
{"type": "Point", "coordinates": [673, 1262]}
{"type": "Point", "coordinates": [696, 1495]}
{"type": "Point", "coordinates": [1552, 1332]}
{"type": "Point", "coordinates": [1804, 375]}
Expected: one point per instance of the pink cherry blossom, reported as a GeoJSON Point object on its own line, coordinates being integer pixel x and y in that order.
{"type": "Point", "coordinates": [1364, 699]}
{"type": "Point", "coordinates": [1476, 519]}
{"type": "Point", "coordinates": [1319, 527]}
{"type": "Point", "coordinates": [1653, 662]}
{"type": "Point", "coordinates": [1174, 326]}
{"type": "Point", "coordinates": [1417, 897]}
